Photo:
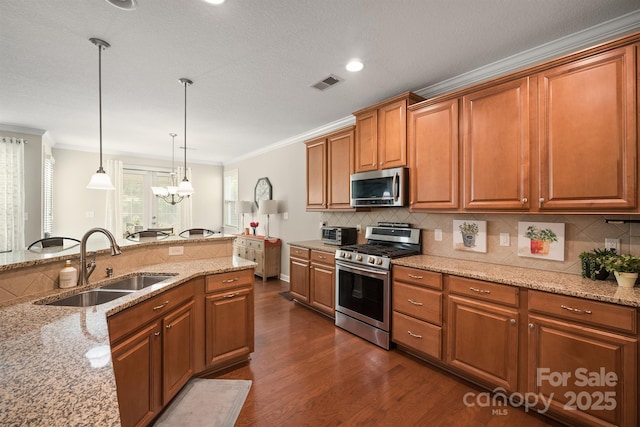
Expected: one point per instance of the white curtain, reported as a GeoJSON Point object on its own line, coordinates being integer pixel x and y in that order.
{"type": "Point", "coordinates": [185, 216]}
{"type": "Point", "coordinates": [11, 194]}
{"type": "Point", "coordinates": [113, 214]}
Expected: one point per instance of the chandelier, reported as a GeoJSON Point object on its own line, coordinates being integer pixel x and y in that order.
{"type": "Point", "coordinates": [173, 194]}
{"type": "Point", "coordinates": [170, 193]}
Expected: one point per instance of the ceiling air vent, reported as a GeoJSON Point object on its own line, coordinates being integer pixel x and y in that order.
{"type": "Point", "coordinates": [327, 82]}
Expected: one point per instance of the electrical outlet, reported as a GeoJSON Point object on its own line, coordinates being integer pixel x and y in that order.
{"type": "Point", "coordinates": [437, 235]}
{"type": "Point", "coordinates": [504, 239]}
{"type": "Point", "coordinates": [285, 215]}
{"type": "Point", "coordinates": [176, 250]}
{"type": "Point", "coordinates": [359, 228]}
{"type": "Point", "coordinates": [612, 244]}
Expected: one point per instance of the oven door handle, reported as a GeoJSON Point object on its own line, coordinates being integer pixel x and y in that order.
{"type": "Point", "coordinates": [363, 270]}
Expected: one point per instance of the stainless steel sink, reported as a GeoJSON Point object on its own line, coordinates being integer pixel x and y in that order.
{"type": "Point", "coordinates": [135, 283]}
{"type": "Point", "coordinates": [89, 298]}
{"type": "Point", "coordinates": [111, 291]}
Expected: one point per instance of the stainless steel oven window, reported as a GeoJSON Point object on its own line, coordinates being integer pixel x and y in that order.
{"type": "Point", "coordinates": [363, 294]}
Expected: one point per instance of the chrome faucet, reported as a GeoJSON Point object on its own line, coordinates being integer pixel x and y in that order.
{"type": "Point", "coordinates": [86, 268]}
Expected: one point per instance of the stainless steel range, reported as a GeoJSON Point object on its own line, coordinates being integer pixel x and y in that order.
{"type": "Point", "coordinates": [363, 280]}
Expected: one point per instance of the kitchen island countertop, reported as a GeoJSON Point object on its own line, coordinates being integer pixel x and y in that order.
{"type": "Point", "coordinates": [55, 362]}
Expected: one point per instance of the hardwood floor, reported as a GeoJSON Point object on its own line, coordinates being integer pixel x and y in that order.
{"type": "Point", "coordinates": [307, 372]}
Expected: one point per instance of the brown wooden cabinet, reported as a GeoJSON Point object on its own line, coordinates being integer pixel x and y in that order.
{"type": "Point", "coordinates": [322, 282]}
{"type": "Point", "coordinates": [329, 168]}
{"type": "Point", "coordinates": [229, 329]}
{"type": "Point", "coordinates": [417, 311]}
{"type": "Point", "coordinates": [583, 355]}
{"type": "Point", "coordinates": [433, 147]}
{"type": "Point", "coordinates": [496, 147]}
{"type": "Point", "coordinates": [299, 273]}
{"type": "Point", "coordinates": [482, 337]}
{"type": "Point", "coordinates": [588, 133]}
{"type": "Point", "coordinates": [178, 338]}
{"type": "Point", "coordinates": [265, 253]}
{"type": "Point", "coordinates": [381, 134]}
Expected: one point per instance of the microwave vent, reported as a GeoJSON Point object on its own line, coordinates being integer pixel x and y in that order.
{"type": "Point", "coordinates": [329, 81]}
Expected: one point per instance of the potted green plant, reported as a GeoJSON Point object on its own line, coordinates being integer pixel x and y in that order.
{"type": "Point", "coordinates": [592, 263]}
{"type": "Point", "coordinates": [469, 231]}
{"type": "Point", "coordinates": [625, 268]}
{"type": "Point", "coordinates": [540, 239]}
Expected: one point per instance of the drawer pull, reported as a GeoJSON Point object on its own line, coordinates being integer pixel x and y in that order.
{"type": "Point", "coordinates": [232, 295]}
{"type": "Point", "coordinates": [157, 334]}
{"type": "Point", "coordinates": [415, 277]}
{"type": "Point", "coordinates": [480, 291]}
{"type": "Point", "coordinates": [230, 280]}
{"type": "Point", "coordinates": [414, 335]}
{"type": "Point", "coordinates": [414, 302]}
{"type": "Point", "coordinates": [161, 306]}
{"type": "Point", "coordinates": [321, 257]}
{"type": "Point", "coordinates": [575, 310]}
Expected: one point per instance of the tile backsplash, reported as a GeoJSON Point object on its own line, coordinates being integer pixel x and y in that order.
{"type": "Point", "coordinates": [582, 233]}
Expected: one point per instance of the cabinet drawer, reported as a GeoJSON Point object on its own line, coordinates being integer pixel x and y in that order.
{"type": "Point", "coordinates": [415, 334]}
{"type": "Point", "coordinates": [323, 257]}
{"type": "Point", "coordinates": [121, 324]}
{"type": "Point", "coordinates": [419, 302]}
{"type": "Point", "coordinates": [418, 277]}
{"type": "Point", "coordinates": [240, 241]}
{"type": "Point", "coordinates": [299, 252]}
{"type": "Point", "coordinates": [254, 243]}
{"type": "Point", "coordinates": [585, 311]}
{"type": "Point", "coordinates": [233, 279]}
{"type": "Point", "coordinates": [485, 291]}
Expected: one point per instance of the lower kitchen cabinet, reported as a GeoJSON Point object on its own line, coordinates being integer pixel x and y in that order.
{"type": "Point", "coordinates": [322, 282]}
{"type": "Point", "coordinates": [417, 311]}
{"type": "Point", "coordinates": [229, 329]}
{"type": "Point", "coordinates": [583, 355]}
{"type": "Point", "coordinates": [177, 350]}
{"type": "Point", "coordinates": [299, 273]}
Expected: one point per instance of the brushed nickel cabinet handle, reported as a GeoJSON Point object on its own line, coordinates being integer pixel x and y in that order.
{"type": "Point", "coordinates": [531, 325]}
{"type": "Point", "coordinates": [157, 334]}
{"type": "Point", "coordinates": [161, 306]}
{"type": "Point", "coordinates": [414, 302]}
{"type": "Point", "coordinates": [414, 335]}
{"type": "Point", "coordinates": [169, 326]}
{"type": "Point", "coordinates": [575, 310]}
{"type": "Point", "coordinates": [415, 277]}
{"type": "Point", "coordinates": [232, 295]}
{"type": "Point", "coordinates": [230, 280]}
{"type": "Point", "coordinates": [480, 291]}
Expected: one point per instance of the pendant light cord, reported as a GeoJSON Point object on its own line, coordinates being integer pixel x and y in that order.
{"type": "Point", "coordinates": [100, 170]}
{"type": "Point", "coordinates": [185, 131]}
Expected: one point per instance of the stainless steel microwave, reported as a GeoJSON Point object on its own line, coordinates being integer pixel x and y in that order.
{"type": "Point", "coordinates": [385, 187]}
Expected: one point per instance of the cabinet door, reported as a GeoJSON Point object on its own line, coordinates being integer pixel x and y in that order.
{"type": "Point", "coordinates": [588, 137]}
{"type": "Point", "coordinates": [316, 174]}
{"type": "Point", "coordinates": [433, 156]}
{"type": "Point", "coordinates": [559, 349]}
{"type": "Point", "coordinates": [177, 350]}
{"type": "Point", "coordinates": [136, 365]}
{"type": "Point", "coordinates": [340, 152]}
{"type": "Point", "coordinates": [392, 135]}
{"type": "Point", "coordinates": [366, 145]}
{"type": "Point", "coordinates": [496, 147]}
{"type": "Point", "coordinates": [323, 287]}
{"type": "Point", "coordinates": [229, 325]}
{"type": "Point", "coordinates": [475, 325]}
{"type": "Point", "coordinates": [299, 279]}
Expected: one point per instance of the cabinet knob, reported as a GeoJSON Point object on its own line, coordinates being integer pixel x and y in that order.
{"type": "Point", "coordinates": [380, 163]}
{"type": "Point", "coordinates": [157, 334]}
{"type": "Point", "coordinates": [531, 325]}
{"type": "Point", "coordinates": [541, 201]}
{"type": "Point", "coordinates": [169, 326]}
{"type": "Point", "coordinates": [512, 321]}
{"type": "Point", "coordinates": [524, 200]}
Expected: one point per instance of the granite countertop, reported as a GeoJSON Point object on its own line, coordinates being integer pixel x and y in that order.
{"type": "Point", "coordinates": [55, 364]}
{"type": "Point", "coordinates": [543, 280]}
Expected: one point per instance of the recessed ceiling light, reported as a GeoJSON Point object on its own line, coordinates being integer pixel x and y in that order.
{"type": "Point", "coordinates": [123, 4]}
{"type": "Point", "coordinates": [215, 1]}
{"type": "Point", "coordinates": [355, 65]}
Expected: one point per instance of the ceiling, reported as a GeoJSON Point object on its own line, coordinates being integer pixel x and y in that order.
{"type": "Point", "coordinates": [252, 63]}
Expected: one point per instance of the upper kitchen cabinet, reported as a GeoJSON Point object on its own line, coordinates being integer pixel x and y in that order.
{"type": "Point", "coordinates": [587, 133]}
{"type": "Point", "coordinates": [381, 134]}
{"type": "Point", "coordinates": [433, 146]}
{"type": "Point", "coordinates": [329, 167]}
{"type": "Point", "coordinates": [496, 139]}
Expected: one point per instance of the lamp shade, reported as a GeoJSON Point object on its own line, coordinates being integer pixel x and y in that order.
{"type": "Point", "coordinates": [100, 181]}
{"type": "Point", "coordinates": [268, 207]}
{"type": "Point", "coordinates": [185, 188]}
{"type": "Point", "coordinates": [244, 207]}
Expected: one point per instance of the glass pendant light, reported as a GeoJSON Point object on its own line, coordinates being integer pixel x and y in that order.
{"type": "Point", "coordinates": [185, 189]}
{"type": "Point", "coordinates": [100, 180]}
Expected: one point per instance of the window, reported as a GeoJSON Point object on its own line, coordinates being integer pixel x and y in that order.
{"type": "Point", "coordinates": [230, 198]}
{"type": "Point", "coordinates": [140, 209]}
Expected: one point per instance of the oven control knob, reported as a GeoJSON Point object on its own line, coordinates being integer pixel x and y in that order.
{"type": "Point", "coordinates": [358, 257]}
{"type": "Point", "coordinates": [342, 255]}
{"type": "Point", "coordinates": [348, 255]}
{"type": "Point", "coordinates": [379, 261]}
{"type": "Point", "coordinates": [371, 260]}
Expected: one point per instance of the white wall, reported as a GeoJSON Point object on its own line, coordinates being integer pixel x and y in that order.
{"type": "Point", "coordinates": [286, 169]}
{"type": "Point", "coordinates": [73, 201]}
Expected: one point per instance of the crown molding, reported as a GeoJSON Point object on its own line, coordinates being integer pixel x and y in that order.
{"type": "Point", "coordinates": [21, 129]}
